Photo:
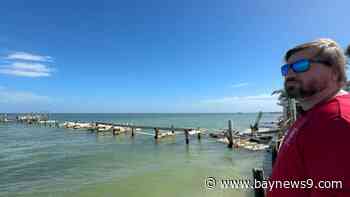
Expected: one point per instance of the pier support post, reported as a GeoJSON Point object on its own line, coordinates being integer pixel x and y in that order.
{"type": "Point", "coordinates": [186, 136]}
{"type": "Point", "coordinates": [230, 137]}
{"type": "Point", "coordinates": [132, 131]}
{"type": "Point", "coordinates": [274, 151]}
{"type": "Point", "coordinates": [172, 129]}
{"type": "Point", "coordinates": [97, 128]}
{"type": "Point", "coordinates": [258, 175]}
{"type": "Point", "coordinates": [156, 133]}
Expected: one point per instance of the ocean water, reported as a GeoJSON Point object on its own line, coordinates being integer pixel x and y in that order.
{"type": "Point", "coordinates": [38, 161]}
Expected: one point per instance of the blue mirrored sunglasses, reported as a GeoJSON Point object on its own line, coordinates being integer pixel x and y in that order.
{"type": "Point", "coordinates": [299, 66]}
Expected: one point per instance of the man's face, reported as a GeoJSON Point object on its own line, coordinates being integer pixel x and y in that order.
{"type": "Point", "coordinates": [306, 84]}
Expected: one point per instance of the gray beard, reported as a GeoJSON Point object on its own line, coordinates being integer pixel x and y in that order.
{"type": "Point", "coordinates": [299, 92]}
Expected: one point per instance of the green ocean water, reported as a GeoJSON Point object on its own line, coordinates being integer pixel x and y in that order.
{"type": "Point", "coordinates": [38, 161]}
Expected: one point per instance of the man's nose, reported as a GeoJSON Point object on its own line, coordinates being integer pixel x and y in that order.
{"type": "Point", "coordinates": [290, 74]}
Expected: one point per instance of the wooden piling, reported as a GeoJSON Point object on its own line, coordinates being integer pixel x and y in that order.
{"type": "Point", "coordinates": [186, 136]}
{"type": "Point", "coordinates": [132, 131]}
{"type": "Point", "coordinates": [156, 133]}
{"type": "Point", "coordinates": [258, 175]}
{"type": "Point", "coordinates": [274, 151]}
{"type": "Point", "coordinates": [172, 129]}
{"type": "Point", "coordinates": [230, 137]}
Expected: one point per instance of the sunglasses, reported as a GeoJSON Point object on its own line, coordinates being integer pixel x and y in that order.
{"type": "Point", "coordinates": [299, 66]}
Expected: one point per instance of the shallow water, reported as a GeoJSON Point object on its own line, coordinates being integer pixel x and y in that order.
{"type": "Point", "coordinates": [37, 161]}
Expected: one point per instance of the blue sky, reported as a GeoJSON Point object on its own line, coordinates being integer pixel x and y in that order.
{"type": "Point", "coordinates": [156, 55]}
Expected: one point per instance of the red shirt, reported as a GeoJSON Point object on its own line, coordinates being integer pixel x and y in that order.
{"type": "Point", "coordinates": [316, 151]}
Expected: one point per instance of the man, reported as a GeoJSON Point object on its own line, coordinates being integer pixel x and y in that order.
{"type": "Point", "coordinates": [314, 158]}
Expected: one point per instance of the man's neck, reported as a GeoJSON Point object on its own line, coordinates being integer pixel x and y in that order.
{"type": "Point", "coordinates": [324, 95]}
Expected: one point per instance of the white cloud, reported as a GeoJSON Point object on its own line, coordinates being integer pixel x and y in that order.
{"type": "Point", "coordinates": [26, 65]}
{"type": "Point", "coordinates": [29, 57]}
{"type": "Point", "coordinates": [20, 97]}
{"type": "Point", "coordinates": [238, 85]}
{"type": "Point", "coordinates": [254, 103]}
{"type": "Point", "coordinates": [234, 99]}
{"type": "Point", "coordinates": [26, 69]}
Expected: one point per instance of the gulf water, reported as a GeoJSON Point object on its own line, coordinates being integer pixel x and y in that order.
{"type": "Point", "coordinates": [41, 161]}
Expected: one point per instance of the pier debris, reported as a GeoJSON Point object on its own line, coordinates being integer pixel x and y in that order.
{"type": "Point", "coordinates": [4, 118]}
{"type": "Point", "coordinates": [232, 137]}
